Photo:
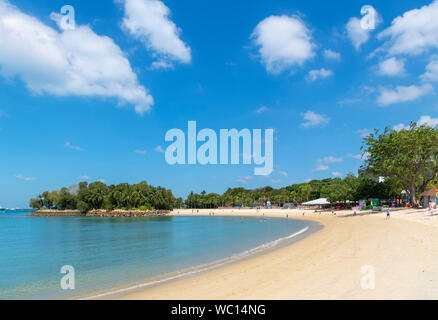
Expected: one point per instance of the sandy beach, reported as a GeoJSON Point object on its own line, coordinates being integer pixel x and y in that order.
{"type": "Point", "coordinates": [327, 264]}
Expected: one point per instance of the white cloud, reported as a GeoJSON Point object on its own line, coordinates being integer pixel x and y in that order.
{"type": "Point", "coordinates": [313, 119]}
{"type": "Point", "coordinates": [392, 67]}
{"type": "Point", "coordinates": [21, 177]}
{"type": "Point", "coordinates": [400, 127]}
{"type": "Point", "coordinates": [142, 152]}
{"type": "Point", "coordinates": [283, 42]}
{"type": "Point", "coordinates": [68, 145]}
{"type": "Point", "coordinates": [276, 181]}
{"type": "Point", "coordinates": [356, 33]}
{"type": "Point", "coordinates": [337, 174]}
{"type": "Point", "coordinates": [319, 74]}
{"type": "Point", "coordinates": [331, 160]}
{"type": "Point", "coordinates": [428, 120]}
{"type": "Point", "coordinates": [424, 120]}
{"type": "Point", "coordinates": [364, 132]}
{"type": "Point", "coordinates": [161, 64]}
{"type": "Point", "coordinates": [321, 168]}
{"type": "Point", "coordinates": [355, 156]}
{"type": "Point", "coordinates": [159, 149]}
{"type": "Point", "coordinates": [149, 22]}
{"type": "Point", "coordinates": [332, 55]}
{"type": "Point", "coordinates": [360, 156]}
{"type": "Point", "coordinates": [84, 178]}
{"type": "Point", "coordinates": [68, 63]}
{"type": "Point", "coordinates": [402, 94]}
{"type": "Point", "coordinates": [431, 73]}
{"type": "Point", "coordinates": [413, 33]}
{"type": "Point", "coordinates": [262, 109]}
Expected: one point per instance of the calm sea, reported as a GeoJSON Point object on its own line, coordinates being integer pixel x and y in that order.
{"type": "Point", "coordinates": [111, 253]}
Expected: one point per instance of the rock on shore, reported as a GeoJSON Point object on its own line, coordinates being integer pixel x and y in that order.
{"type": "Point", "coordinates": [99, 213]}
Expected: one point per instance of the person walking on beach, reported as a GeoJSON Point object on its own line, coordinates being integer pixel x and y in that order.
{"type": "Point", "coordinates": [388, 214]}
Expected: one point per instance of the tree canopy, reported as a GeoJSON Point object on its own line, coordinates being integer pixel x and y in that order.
{"type": "Point", "coordinates": [408, 156]}
{"type": "Point", "coordinates": [98, 195]}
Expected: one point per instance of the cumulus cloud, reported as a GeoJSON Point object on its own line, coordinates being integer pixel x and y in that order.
{"type": "Point", "coordinates": [402, 94]}
{"type": "Point", "coordinates": [332, 55]}
{"type": "Point", "coordinates": [413, 33]}
{"type": "Point", "coordinates": [84, 178]}
{"type": "Point", "coordinates": [337, 174]}
{"type": "Point", "coordinates": [431, 73]}
{"type": "Point", "coordinates": [66, 63]}
{"type": "Point", "coordinates": [319, 74]}
{"type": "Point", "coordinates": [359, 34]}
{"type": "Point", "coordinates": [428, 120]}
{"type": "Point", "coordinates": [149, 22]}
{"type": "Point", "coordinates": [392, 67]}
{"type": "Point", "coordinates": [400, 127]}
{"type": "Point", "coordinates": [424, 120]}
{"type": "Point", "coordinates": [313, 119]}
{"type": "Point", "coordinates": [356, 33]}
{"type": "Point", "coordinates": [283, 42]}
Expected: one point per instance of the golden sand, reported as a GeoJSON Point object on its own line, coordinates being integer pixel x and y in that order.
{"type": "Point", "coordinates": [328, 264]}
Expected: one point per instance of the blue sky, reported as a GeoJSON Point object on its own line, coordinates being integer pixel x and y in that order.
{"type": "Point", "coordinates": [95, 103]}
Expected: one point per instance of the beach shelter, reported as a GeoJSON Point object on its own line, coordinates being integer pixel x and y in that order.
{"type": "Point", "coordinates": [430, 197]}
{"type": "Point", "coordinates": [319, 202]}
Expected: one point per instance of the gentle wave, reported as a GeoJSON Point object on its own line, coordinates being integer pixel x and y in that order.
{"type": "Point", "coordinates": [201, 268]}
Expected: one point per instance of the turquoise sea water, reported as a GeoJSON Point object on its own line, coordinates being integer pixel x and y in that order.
{"type": "Point", "coordinates": [110, 253]}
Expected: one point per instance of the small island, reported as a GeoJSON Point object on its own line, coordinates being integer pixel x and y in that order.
{"type": "Point", "coordinates": [99, 200]}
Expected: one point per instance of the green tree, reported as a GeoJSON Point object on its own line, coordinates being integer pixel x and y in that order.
{"type": "Point", "coordinates": [35, 203]}
{"type": "Point", "coordinates": [408, 156]}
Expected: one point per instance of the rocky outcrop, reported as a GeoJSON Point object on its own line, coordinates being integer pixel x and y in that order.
{"type": "Point", "coordinates": [57, 213]}
{"type": "Point", "coordinates": [126, 213]}
{"type": "Point", "coordinates": [99, 213]}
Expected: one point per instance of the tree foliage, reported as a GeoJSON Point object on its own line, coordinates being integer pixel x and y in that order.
{"type": "Point", "coordinates": [338, 190]}
{"type": "Point", "coordinates": [408, 156]}
{"type": "Point", "coordinates": [98, 195]}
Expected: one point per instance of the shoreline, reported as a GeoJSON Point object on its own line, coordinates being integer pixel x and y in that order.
{"type": "Point", "coordinates": [99, 213]}
{"type": "Point", "coordinates": [325, 265]}
{"type": "Point", "coordinates": [119, 293]}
